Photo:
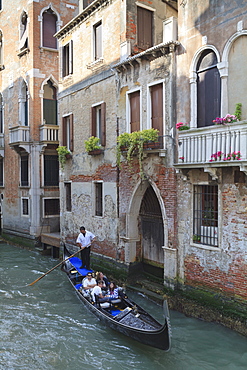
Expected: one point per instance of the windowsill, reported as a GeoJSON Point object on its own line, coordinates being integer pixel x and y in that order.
{"type": "Point", "coordinates": [22, 52]}
{"type": "Point", "coordinates": [42, 48]}
{"type": "Point", "coordinates": [95, 63]}
{"type": "Point", "coordinates": [206, 247]}
{"type": "Point", "coordinates": [24, 186]}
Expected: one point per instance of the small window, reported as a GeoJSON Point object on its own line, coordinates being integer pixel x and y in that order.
{"type": "Point", "coordinates": [68, 132]}
{"type": "Point", "coordinates": [49, 29]}
{"type": "Point", "coordinates": [51, 207]}
{"type": "Point", "coordinates": [144, 28]}
{"type": "Point", "coordinates": [50, 104]}
{"type": "Point", "coordinates": [24, 170]}
{"type": "Point", "coordinates": [205, 215]}
{"type": "Point", "coordinates": [25, 206]}
{"type": "Point", "coordinates": [51, 170]}
{"type": "Point", "coordinates": [1, 171]}
{"type": "Point", "coordinates": [67, 59]}
{"type": "Point", "coordinates": [98, 199]}
{"type": "Point", "coordinates": [68, 196]}
{"type": "Point", "coordinates": [98, 52]}
{"type": "Point", "coordinates": [134, 104]}
{"type": "Point", "coordinates": [99, 122]}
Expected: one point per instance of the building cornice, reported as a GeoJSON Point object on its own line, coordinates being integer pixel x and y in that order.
{"type": "Point", "coordinates": [81, 17]}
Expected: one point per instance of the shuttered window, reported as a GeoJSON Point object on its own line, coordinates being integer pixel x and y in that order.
{"type": "Point", "coordinates": [24, 170]}
{"type": "Point", "coordinates": [68, 128]}
{"type": "Point", "coordinates": [49, 29]}
{"type": "Point", "coordinates": [144, 28]}
{"type": "Point", "coordinates": [51, 170]}
{"type": "Point", "coordinates": [98, 122]}
{"type": "Point", "coordinates": [98, 53]}
{"type": "Point", "coordinates": [67, 59]}
{"type": "Point", "coordinates": [134, 101]}
{"type": "Point", "coordinates": [208, 89]}
{"type": "Point", "coordinates": [156, 93]}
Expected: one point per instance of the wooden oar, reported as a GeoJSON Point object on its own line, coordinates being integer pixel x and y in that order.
{"type": "Point", "coordinates": [72, 255]}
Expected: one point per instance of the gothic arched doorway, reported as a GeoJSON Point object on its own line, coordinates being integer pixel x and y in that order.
{"type": "Point", "coordinates": [152, 231]}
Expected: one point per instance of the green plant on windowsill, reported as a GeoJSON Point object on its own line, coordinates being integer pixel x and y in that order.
{"type": "Point", "coordinates": [93, 143]}
{"type": "Point", "coordinates": [63, 152]}
{"type": "Point", "coordinates": [133, 143]}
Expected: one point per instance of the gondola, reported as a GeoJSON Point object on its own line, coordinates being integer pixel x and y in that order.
{"type": "Point", "coordinates": [122, 314]}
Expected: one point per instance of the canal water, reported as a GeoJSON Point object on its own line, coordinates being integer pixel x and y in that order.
{"type": "Point", "coordinates": [45, 327]}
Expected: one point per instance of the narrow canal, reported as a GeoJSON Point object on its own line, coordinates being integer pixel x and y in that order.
{"type": "Point", "coordinates": [45, 327]}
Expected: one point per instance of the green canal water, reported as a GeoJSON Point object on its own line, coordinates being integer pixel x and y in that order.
{"type": "Point", "coordinates": [45, 327]}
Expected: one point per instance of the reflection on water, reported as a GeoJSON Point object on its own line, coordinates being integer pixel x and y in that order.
{"type": "Point", "coordinates": [45, 327]}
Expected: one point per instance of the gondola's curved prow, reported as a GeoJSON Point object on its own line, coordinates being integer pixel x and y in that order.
{"type": "Point", "coordinates": [125, 316]}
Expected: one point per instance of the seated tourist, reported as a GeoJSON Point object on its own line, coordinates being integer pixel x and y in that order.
{"type": "Point", "coordinates": [97, 292]}
{"type": "Point", "coordinates": [113, 291]}
{"type": "Point", "coordinates": [101, 276]}
{"type": "Point", "coordinates": [89, 282]}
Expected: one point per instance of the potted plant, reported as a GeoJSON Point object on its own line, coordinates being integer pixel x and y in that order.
{"type": "Point", "coordinates": [63, 154]}
{"type": "Point", "coordinates": [93, 146]}
{"type": "Point", "coordinates": [133, 143]}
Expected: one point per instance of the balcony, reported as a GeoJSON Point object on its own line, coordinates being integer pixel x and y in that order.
{"type": "Point", "coordinates": [19, 135]}
{"type": "Point", "coordinates": [49, 134]}
{"type": "Point", "coordinates": [197, 145]}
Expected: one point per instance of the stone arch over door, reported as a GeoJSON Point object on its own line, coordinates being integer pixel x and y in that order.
{"type": "Point", "coordinates": [134, 220]}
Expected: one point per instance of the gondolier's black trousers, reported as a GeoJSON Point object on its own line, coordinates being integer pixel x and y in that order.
{"type": "Point", "coordinates": [85, 258]}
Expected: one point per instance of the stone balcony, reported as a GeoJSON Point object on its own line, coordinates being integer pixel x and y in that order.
{"type": "Point", "coordinates": [19, 136]}
{"type": "Point", "coordinates": [49, 134]}
{"type": "Point", "coordinates": [197, 145]}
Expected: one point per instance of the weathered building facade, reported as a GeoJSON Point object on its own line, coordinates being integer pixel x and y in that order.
{"type": "Point", "coordinates": [29, 171]}
{"type": "Point", "coordinates": [122, 82]}
{"type": "Point", "coordinates": [211, 163]}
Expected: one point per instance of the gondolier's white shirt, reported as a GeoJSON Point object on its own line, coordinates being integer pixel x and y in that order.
{"type": "Point", "coordinates": [85, 240]}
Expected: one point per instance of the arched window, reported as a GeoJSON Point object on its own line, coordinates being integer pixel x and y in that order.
{"type": "Point", "coordinates": [208, 89]}
{"type": "Point", "coordinates": [23, 105]}
{"type": "Point", "coordinates": [49, 29]}
{"type": "Point", "coordinates": [50, 104]}
{"type": "Point", "coordinates": [237, 70]}
{"type": "Point", "coordinates": [1, 114]}
{"type": "Point", "coordinates": [23, 31]}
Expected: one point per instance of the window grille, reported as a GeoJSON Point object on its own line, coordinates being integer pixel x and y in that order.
{"type": "Point", "coordinates": [24, 170]}
{"type": "Point", "coordinates": [51, 207]}
{"type": "Point", "coordinates": [25, 211]}
{"type": "Point", "coordinates": [205, 215]}
{"type": "Point", "coordinates": [98, 199]}
{"type": "Point", "coordinates": [68, 196]}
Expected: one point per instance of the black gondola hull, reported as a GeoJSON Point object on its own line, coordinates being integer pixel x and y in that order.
{"type": "Point", "coordinates": [158, 338]}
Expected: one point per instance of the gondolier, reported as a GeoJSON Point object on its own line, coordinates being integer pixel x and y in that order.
{"type": "Point", "coordinates": [84, 240]}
